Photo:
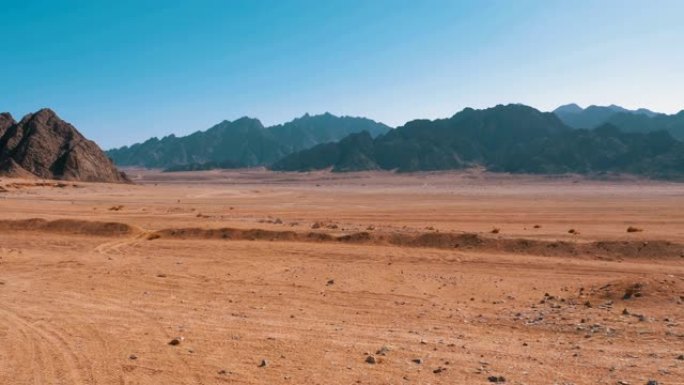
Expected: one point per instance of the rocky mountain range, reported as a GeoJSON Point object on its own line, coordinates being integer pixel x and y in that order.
{"type": "Point", "coordinates": [512, 138]}
{"type": "Point", "coordinates": [43, 145]}
{"type": "Point", "coordinates": [507, 138]}
{"type": "Point", "coordinates": [640, 120]}
{"type": "Point", "coordinates": [241, 143]}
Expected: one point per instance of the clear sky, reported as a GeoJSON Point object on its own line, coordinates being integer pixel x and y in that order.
{"type": "Point", "coordinates": [123, 71]}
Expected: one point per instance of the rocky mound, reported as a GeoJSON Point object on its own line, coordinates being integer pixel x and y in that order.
{"type": "Point", "coordinates": [44, 145]}
{"type": "Point", "coordinates": [69, 226]}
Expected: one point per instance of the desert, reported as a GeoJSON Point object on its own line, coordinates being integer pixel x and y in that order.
{"type": "Point", "coordinates": [342, 192]}
{"type": "Point", "coordinates": [253, 277]}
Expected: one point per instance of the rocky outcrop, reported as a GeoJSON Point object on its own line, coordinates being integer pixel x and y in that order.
{"type": "Point", "coordinates": [44, 145]}
{"type": "Point", "coordinates": [6, 121]}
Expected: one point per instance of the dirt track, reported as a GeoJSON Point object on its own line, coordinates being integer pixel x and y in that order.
{"type": "Point", "coordinates": [78, 301]}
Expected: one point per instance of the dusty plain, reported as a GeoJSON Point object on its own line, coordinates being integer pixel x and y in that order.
{"type": "Point", "coordinates": [320, 290]}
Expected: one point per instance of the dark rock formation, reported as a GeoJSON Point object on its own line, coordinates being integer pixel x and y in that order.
{"type": "Point", "coordinates": [512, 138]}
{"type": "Point", "coordinates": [6, 121]}
{"type": "Point", "coordinates": [44, 145]}
{"type": "Point", "coordinates": [242, 143]}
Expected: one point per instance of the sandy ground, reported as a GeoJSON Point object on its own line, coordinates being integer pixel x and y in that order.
{"type": "Point", "coordinates": [82, 304]}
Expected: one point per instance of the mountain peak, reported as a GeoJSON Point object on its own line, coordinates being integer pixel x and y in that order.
{"type": "Point", "coordinates": [571, 108]}
{"type": "Point", "coordinates": [44, 145]}
{"type": "Point", "coordinates": [45, 112]}
{"type": "Point", "coordinates": [246, 120]}
{"type": "Point", "coordinates": [43, 115]}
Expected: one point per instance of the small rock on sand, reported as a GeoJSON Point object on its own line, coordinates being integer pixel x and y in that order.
{"type": "Point", "coordinates": [382, 351]}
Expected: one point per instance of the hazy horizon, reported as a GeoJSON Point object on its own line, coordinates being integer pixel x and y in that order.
{"type": "Point", "coordinates": [126, 72]}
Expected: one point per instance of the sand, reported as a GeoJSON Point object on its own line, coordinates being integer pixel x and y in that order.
{"type": "Point", "coordinates": [97, 279]}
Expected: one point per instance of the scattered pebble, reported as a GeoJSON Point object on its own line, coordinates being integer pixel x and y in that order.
{"type": "Point", "coordinates": [383, 351]}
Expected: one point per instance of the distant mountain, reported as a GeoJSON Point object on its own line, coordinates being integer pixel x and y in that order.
{"type": "Point", "coordinates": [512, 138]}
{"type": "Point", "coordinates": [593, 116]}
{"type": "Point", "coordinates": [44, 145]}
{"type": "Point", "coordinates": [568, 109]}
{"type": "Point", "coordinates": [353, 153]}
{"type": "Point", "coordinates": [467, 138]}
{"type": "Point", "coordinates": [605, 149]}
{"type": "Point", "coordinates": [308, 131]}
{"type": "Point", "coordinates": [674, 124]}
{"type": "Point", "coordinates": [244, 141]}
{"type": "Point", "coordinates": [645, 111]}
{"type": "Point", "coordinates": [640, 120]}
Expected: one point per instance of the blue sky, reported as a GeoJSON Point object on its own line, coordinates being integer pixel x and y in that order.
{"type": "Point", "coordinates": [123, 71]}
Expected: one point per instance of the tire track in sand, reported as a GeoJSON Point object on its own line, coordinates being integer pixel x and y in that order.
{"type": "Point", "coordinates": [52, 361]}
